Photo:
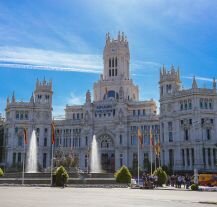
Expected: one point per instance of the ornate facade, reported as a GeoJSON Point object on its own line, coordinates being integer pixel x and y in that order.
{"type": "Point", "coordinates": [186, 126]}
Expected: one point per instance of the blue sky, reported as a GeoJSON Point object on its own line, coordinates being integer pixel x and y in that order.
{"type": "Point", "coordinates": [64, 40]}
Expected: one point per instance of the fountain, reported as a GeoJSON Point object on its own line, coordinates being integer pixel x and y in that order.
{"type": "Point", "coordinates": [31, 164]}
{"type": "Point", "coordinates": [95, 166]}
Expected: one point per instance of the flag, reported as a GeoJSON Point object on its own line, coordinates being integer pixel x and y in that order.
{"type": "Point", "coordinates": [157, 147]}
{"type": "Point", "coordinates": [140, 136]}
{"type": "Point", "coordinates": [151, 138]}
{"type": "Point", "coordinates": [52, 133]}
{"type": "Point", "coordinates": [25, 135]}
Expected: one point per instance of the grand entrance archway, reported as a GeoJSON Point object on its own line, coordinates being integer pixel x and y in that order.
{"type": "Point", "coordinates": [107, 152]}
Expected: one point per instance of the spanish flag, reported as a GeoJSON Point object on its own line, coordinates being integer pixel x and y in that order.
{"type": "Point", "coordinates": [25, 135]}
{"type": "Point", "coordinates": [52, 133]}
{"type": "Point", "coordinates": [139, 135]}
{"type": "Point", "coordinates": [151, 138]}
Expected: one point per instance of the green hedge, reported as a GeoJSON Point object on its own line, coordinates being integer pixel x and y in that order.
{"type": "Point", "coordinates": [194, 187]}
{"type": "Point", "coordinates": [123, 175]}
{"type": "Point", "coordinates": [162, 176]}
{"type": "Point", "coordinates": [1, 172]}
{"type": "Point", "coordinates": [61, 176]}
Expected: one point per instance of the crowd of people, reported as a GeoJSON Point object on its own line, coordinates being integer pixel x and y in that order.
{"type": "Point", "coordinates": [179, 180]}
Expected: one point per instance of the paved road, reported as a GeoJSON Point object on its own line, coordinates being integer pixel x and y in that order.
{"type": "Point", "coordinates": [102, 197]}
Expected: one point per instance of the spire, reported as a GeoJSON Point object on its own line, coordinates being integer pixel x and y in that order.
{"type": "Point", "coordinates": [32, 99]}
{"type": "Point", "coordinates": [214, 83]}
{"type": "Point", "coordinates": [88, 97]}
{"type": "Point", "coordinates": [122, 37]}
{"type": "Point", "coordinates": [8, 100]}
{"type": "Point", "coordinates": [13, 98]}
{"type": "Point", "coordinates": [194, 83]}
{"type": "Point", "coordinates": [119, 36]}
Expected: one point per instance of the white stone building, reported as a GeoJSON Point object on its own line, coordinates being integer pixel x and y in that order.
{"type": "Point", "coordinates": [187, 120]}
{"type": "Point", "coordinates": [188, 124]}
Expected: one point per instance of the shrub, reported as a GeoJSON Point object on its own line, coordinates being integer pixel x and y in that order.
{"type": "Point", "coordinates": [61, 176]}
{"type": "Point", "coordinates": [123, 175]}
{"type": "Point", "coordinates": [1, 172]}
{"type": "Point", "coordinates": [194, 187]}
{"type": "Point", "coordinates": [162, 176]}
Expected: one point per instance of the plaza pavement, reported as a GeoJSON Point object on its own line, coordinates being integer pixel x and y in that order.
{"type": "Point", "coordinates": [102, 197]}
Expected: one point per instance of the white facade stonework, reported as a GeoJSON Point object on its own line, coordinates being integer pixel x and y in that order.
{"type": "Point", "coordinates": [187, 132]}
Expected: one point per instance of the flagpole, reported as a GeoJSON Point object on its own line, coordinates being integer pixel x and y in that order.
{"type": "Point", "coordinates": [151, 148]}
{"type": "Point", "coordinates": [23, 162]}
{"type": "Point", "coordinates": [138, 158]}
{"type": "Point", "coordinates": [51, 171]}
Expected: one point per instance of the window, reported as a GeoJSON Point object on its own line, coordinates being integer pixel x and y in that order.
{"type": "Point", "coordinates": [20, 141]}
{"type": "Point", "coordinates": [210, 104]}
{"type": "Point", "coordinates": [44, 160]}
{"type": "Point", "coordinates": [120, 139]}
{"type": "Point", "coordinates": [21, 115]}
{"type": "Point", "coordinates": [189, 104]}
{"type": "Point", "coordinates": [121, 160]}
{"type": "Point", "coordinates": [133, 140]}
{"type": "Point", "coordinates": [186, 134]}
{"type": "Point", "coordinates": [110, 62]}
{"type": "Point", "coordinates": [201, 103]}
{"type": "Point", "coordinates": [19, 158]}
{"type": "Point", "coordinates": [161, 90]}
{"type": "Point", "coordinates": [14, 158]}
{"type": "Point", "coordinates": [85, 161]}
{"type": "Point", "coordinates": [185, 105]}
{"type": "Point", "coordinates": [17, 115]}
{"type": "Point", "coordinates": [143, 111]}
{"type": "Point", "coordinates": [181, 106]}
{"type": "Point", "coordinates": [208, 135]}
{"type": "Point", "coordinates": [45, 142]}
{"type": "Point", "coordinates": [170, 128]}
{"type": "Point", "coordinates": [138, 112]}
{"type": "Point", "coordinates": [134, 112]}
{"type": "Point", "coordinates": [188, 158]}
{"type": "Point", "coordinates": [116, 72]}
{"type": "Point", "coordinates": [209, 156]}
{"type": "Point", "coordinates": [171, 158]}
{"type": "Point", "coordinates": [205, 104]}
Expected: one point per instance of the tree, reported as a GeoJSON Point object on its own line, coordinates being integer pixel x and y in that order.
{"type": "Point", "coordinates": [1, 172]}
{"type": "Point", "coordinates": [162, 176]}
{"type": "Point", "coordinates": [123, 175]}
{"type": "Point", "coordinates": [61, 176]}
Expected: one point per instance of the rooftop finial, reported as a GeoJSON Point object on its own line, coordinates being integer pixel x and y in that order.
{"type": "Point", "coordinates": [194, 83]}
{"type": "Point", "coordinates": [13, 98]}
{"type": "Point", "coordinates": [122, 37]}
{"type": "Point", "coordinates": [119, 36]}
{"type": "Point", "coordinates": [214, 83]}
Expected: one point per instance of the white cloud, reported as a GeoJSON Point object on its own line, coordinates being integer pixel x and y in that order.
{"type": "Point", "coordinates": [75, 99]}
{"type": "Point", "coordinates": [199, 78]}
{"type": "Point", "coordinates": [30, 58]}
